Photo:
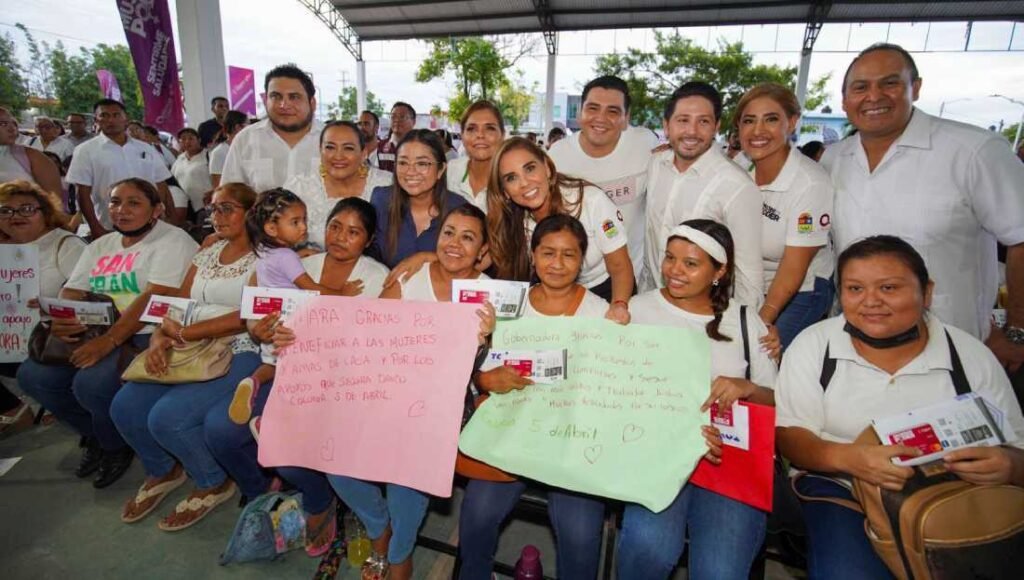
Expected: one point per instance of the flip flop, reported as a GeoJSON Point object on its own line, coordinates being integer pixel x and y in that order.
{"type": "Point", "coordinates": [329, 522]}
{"type": "Point", "coordinates": [159, 491]}
{"type": "Point", "coordinates": [22, 419]}
{"type": "Point", "coordinates": [240, 409]}
{"type": "Point", "coordinates": [200, 507]}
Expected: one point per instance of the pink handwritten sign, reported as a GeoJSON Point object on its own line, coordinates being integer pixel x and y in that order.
{"type": "Point", "coordinates": [372, 389]}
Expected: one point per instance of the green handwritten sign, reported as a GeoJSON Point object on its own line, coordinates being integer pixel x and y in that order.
{"type": "Point", "coordinates": [626, 422]}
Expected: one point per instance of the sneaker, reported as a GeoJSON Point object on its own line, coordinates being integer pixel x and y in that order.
{"type": "Point", "coordinates": [92, 457]}
{"type": "Point", "coordinates": [113, 466]}
{"type": "Point", "coordinates": [240, 409]}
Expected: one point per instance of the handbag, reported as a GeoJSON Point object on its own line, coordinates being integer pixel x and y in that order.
{"type": "Point", "coordinates": [46, 349]}
{"type": "Point", "coordinates": [197, 361]}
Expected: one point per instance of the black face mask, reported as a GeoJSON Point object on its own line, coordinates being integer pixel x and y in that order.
{"type": "Point", "coordinates": [900, 339]}
{"type": "Point", "coordinates": [137, 232]}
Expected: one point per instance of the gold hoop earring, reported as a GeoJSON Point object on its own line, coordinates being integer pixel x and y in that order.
{"type": "Point", "coordinates": [364, 170]}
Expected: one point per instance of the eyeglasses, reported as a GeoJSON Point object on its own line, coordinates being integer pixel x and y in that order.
{"type": "Point", "coordinates": [224, 208]}
{"type": "Point", "coordinates": [419, 166]}
{"type": "Point", "coordinates": [26, 210]}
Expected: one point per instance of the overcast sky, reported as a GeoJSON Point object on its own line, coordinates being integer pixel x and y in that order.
{"type": "Point", "coordinates": [259, 34]}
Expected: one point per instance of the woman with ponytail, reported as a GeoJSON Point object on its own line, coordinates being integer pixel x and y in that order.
{"type": "Point", "coordinates": [725, 535]}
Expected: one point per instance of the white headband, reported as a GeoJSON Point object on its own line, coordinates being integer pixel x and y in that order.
{"type": "Point", "coordinates": [703, 241]}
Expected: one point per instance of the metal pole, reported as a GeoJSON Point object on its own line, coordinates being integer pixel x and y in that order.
{"type": "Point", "coordinates": [360, 87]}
{"type": "Point", "coordinates": [1020, 125]}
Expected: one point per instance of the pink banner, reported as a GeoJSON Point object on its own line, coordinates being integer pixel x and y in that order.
{"type": "Point", "coordinates": [372, 389]}
{"type": "Point", "coordinates": [242, 89]}
{"type": "Point", "coordinates": [108, 84]}
{"type": "Point", "coordinates": [147, 26]}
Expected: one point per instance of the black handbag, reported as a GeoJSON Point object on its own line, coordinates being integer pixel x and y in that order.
{"type": "Point", "coordinates": [46, 349]}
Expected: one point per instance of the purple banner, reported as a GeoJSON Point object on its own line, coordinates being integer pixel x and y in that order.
{"type": "Point", "coordinates": [242, 89]}
{"type": "Point", "coordinates": [108, 84]}
{"type": "Point", "coordinates": [147, 26]}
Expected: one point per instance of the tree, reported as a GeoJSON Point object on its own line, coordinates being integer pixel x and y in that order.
{"type": "Point", "coordinates": [13, 88]}
{"type": "Point", "coordinates": [1011, 132]}
{"type": "Point", "coordinates": [514, 100]}
{"type": "Point", "coordinates": [75, 83]}
{"type": "Point", "coordinates": [347, 106]}
{"type": "Point", "coordinates": [652, 77]}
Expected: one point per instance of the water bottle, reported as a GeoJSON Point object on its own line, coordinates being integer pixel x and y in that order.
{"type": "Point", "coordinates": [528, 567]}
{"type": "Point", "coordinates": [358, 542]}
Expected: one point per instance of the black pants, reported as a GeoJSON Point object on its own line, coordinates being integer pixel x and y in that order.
{"type": "Point", "coordinates": [8, 402]}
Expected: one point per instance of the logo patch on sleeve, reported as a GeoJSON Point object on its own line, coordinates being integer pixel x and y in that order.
{"type": "Point", "coordinates": [825, 220]}
{"type": "Point", "coordinates": [805, 223]}
{"type": "Point", "coordinates": [609, 229]}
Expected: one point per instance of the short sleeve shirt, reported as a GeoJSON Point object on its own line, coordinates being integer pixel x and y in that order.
{"type": "Point", "coordinates": [278, 268]}
{"type": "Point", "coordinates": [408, 241]}
{"type": "Point", "coordinates": [216, 287]}
{"type": "Point", "coordinates": [370, 271]}
{"type": "Point", "coordinates": [310, 188]}
{"type": "Point", "coordinates": [261, 159]}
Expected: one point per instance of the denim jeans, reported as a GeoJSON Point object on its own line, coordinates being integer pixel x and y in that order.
{"type": "Point", "coordinates": [838, 547]}
{"type": "Point", "coordinates": [403, 508]}
{"type": "Point", "coordinates": [576, 518]}
{"type": "Point", "coordinates": [234, 446]}
{"type": "Point", "coordinates": [725, 537]}
{"type": "Point", "coordinates": [804, 309]}
{"type": "Point", "coordinates": [80, 397]}
{"type": "Point", "coordinates": [164, 422]}
{"type": "Point", "coordinates": [316, 490]}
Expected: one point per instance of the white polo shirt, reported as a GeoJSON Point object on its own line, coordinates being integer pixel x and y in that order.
{"type": "Point", "coordinates": [457, 175]}
{"type": "Point", "coordinates": [860, 391]}
{"type": "Point", "coordinates": [797, 211]}
{"type": "Point", "coordinates": [712, 188]}
{"type": "Point", "coordinates": [949, 189]}
{"type": "Point", "coordinates": [193, 175]}
{"type": "Point", "coordinates": [61, 146]}
{"type": "Point", "coordinates": [622, 175]}
{"type": "Point", "coordinates": [260, 158]}
{"type": "Point", "coordinates": [99, 163]}
{"type": "Point", "coordinates": [218, 155]}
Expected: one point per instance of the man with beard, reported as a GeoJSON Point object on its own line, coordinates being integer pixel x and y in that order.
{"type": "Point", "coordinates": [694, 179]}
{"type": "Point", "coordinates": [369, 125]}
{"type": "Point", "coordinates": [265, 154]}
{"type": "Point", "coordinates": [108, 158]}
{"type": "Point", "coordinates": [403, 120]}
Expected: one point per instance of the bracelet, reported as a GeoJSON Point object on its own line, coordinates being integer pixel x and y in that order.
{"type": "Point", "coordinates": [179, 336]}
{"type": "Point", "coordinates": [622, 302]}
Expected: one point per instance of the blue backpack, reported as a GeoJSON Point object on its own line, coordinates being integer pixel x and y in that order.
{"type": "Point", "coordinates": [269, 526]}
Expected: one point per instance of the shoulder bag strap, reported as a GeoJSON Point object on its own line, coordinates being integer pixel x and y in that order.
{"type": "Point", "coordinates": [746, 339]}
{"type": "Point", "coordinates": [960, 382]}
{"type": "Point", "coordinates": [828, 368]}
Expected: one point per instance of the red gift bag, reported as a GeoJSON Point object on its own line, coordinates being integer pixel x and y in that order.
{"type": "Point", "coordinates": [745, 476]}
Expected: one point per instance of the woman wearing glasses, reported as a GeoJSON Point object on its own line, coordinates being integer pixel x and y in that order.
{"type": "Point", "coordinates": [409, 212]}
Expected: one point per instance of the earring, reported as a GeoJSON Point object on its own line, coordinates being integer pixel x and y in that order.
{"type": "Point", "coordinates": [323, 171]}
{"type": "Point", "coordinates": [715, 283]}
{"type": "Point", "coordinates": [364, 170]}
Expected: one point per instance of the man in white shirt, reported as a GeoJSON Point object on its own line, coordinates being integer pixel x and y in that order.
{"type": "Point", "coordinates": [108, 158]}
{"type": "Point", "coordinates": [951, 190]}
{"type": "Point", "coordinates": [79, 133]}
{"type": "Point", "coordinates": [403, 120]}
{"type": "Point", "coordinates": [609, 153]}
{"type": "Point", "coordinates": [234, 122]}
{"type": "Point", "coordinates": [694, 179]}
{"type": "Point", "coordinates": [285, 144]}
{"type": "Point", "coordinates": [369, 125]}
{"type": "Point", "coordinates": [49, 140]}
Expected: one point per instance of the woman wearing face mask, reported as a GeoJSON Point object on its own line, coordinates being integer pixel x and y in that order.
{"type": "Point", "coordinates": [890, 356]}
{"type": "Point", "coordinates": [483, 130]}
{"type": "Point", "coordinates": [724, 534]}
{"type": "Point", "coordinates": [20, 162]}
{"type": "Point", "coordinates": [797, 195]}
{"type": "Point", "coordinates": [29, 215]}
{"type": "Point", "coordinates": [144, 256]}
{"type": "Point", "coordinates": [344, 173]}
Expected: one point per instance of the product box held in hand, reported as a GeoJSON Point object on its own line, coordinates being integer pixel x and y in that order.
{"type": "Point", "coordinates": [258, 301]}
{"type": "Point", "coordinates": [541, 366]}
{"type": "Point", "coordinates": [179, 310]}
{"type": "Point", "coordinates": [89, 313]}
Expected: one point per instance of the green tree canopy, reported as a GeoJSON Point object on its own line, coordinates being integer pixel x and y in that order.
{"type": "Point", "coordinates": [347, 106]}
{"type": "Point", "coordinates": [652, 77]}
{"type": "Point", "coordinates": [13, 88]}
{"type": "Point", "coordinates": [514, 101]}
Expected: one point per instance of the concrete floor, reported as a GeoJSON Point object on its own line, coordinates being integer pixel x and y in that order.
{"type": "Point", "coordinates": [53, 525]}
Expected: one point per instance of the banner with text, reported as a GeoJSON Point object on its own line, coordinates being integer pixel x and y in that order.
{"type": "Point", "coordinates": [19, 283]}
{"type": "Point", "coordinates": [372, 389]}
{"type": "Point", "coordinates": [147, 27]}
{"type": "Point", "coordinates": [626, 422]}
{"type": "Point", "coordinates": [242, 86]}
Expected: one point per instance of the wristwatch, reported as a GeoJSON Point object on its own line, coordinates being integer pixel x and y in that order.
{"type": "Point", "coordinates": [1014, 334]}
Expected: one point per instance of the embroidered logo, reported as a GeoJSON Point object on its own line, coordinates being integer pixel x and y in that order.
{"type": "Point", "coordinates": [609, 229]}
{"type": "Point", "coordinates": [805, 223]}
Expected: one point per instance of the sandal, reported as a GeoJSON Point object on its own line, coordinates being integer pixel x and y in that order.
{"type": "Point", "coordinates": [330, 522]}
{"type": "Point", "coordinates": [18, 419]}
{"type": "Point", "coordinates": [157, 493]}
{"type": "Point", "coordinates": [198, 508]}
{"type": "Point", "coordinates": [240, 409]}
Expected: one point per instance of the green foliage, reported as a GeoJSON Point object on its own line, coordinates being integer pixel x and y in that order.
{"type": "Point", "coordinates": [652, 77]}
{"type": "Point", "coordinates": [347, 107]}
{"type": "Point", "coordinates": [514, 100]}
{"type": "Point", "coordinates": [13, 88]}
{"type": "Point", "coordinates": [1011, 132]}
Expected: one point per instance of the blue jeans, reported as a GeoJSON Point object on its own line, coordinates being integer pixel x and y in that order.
{"type": "Point", "coordinates": [576, 518]}
{"type": "Point", "coordinates": [234, 446]}
{"type": "Point", "coordinates": [316, 490]}
{"type": "Point", "coordinates": [804, 309]}
{"type": "Point", "coordinates": [838, 547]}
{"type": "Point", "coordinates": [164, 422]}
{"type": "Point", "coordinates": [403, 508]}
{"type": "Point", "coordinates": [725, 537]}
{"type": "Point", "coordinates": [80, 397]}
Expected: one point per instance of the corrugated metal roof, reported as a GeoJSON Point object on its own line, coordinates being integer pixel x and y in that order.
{"type": "Point", "coordinates": [398, 19]}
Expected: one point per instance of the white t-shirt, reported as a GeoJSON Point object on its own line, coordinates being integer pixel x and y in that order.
{"type": "Point", "coordinates": [55, 267]}
{"type": "Point", "coordinates": [11, 168]}
{"type": "Point", "coordinates": [712, 188]}
{"type": "Point", "coordinates": [592, 306]}
{"type": "Point", "coordinates": [622, 175]}
{"type": "Point", "coordinates": [605, 232]}
{"type": "Point", "coordinates": [165, 154]}
{"type": "Point", "coordinates": [99, 163]}
{"type": "Point", "coordinates": [370, 271]}
{"type": "Point", "coordinates": [193, 176]}
{"type": "Point", "coordinates": [218, 156]}
{"type": "Point", "coordinates": [457, 175]}
{"type": "Point", "coordinates": [419, 287]}
{"type": "Point", "coordinates": [107, 267]}
{"type": "Point", "coordinates": [310, 189]}
{"type": "Point", "coordinates": [797, 211]}
{"type": "Point", "coordinates": [61, 146]}
{"type": "Point", "coordinates": [652, 308]}
{"type": "Point", "coordinates": [260, 158]}
{"type": "Point", "coordinates": [216, 288]}
{"type": "Point", "coordinates": [859, 391]}
{"type": "Point", "coordinates": [949, 189]}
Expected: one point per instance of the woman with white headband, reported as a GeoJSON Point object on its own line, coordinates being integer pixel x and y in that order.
{"type": "Point", "coordinates": [725, 535]}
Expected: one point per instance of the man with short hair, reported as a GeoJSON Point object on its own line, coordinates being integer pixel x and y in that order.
{"type": "Point", "coordinates": [49, 140]}
{"type": "Point", "coordinates": [192, 170]}
{"type": "Point", "coordinates": [694, 179]}
{"type": "Point", "coordinates": [614, 156]}
{"type": "Point", "coordinates": [950, 189]}
{"type": "Point", "coordinates": [151, 135]}
{"type": "Point", "coordinates": [287, 143]}
{"type": "Point", "coordinates": [234, 122]}
{"type": "Point", "coordinates": [111, 157]}
{"type": "Point", "coordinates": [79, 132]}
{"type": "Point", "coordinates": [403, 120]}
{"type": "Point", "coordinates": [211, 131]}
{"type": "Point", "coordinates": [369, 125]}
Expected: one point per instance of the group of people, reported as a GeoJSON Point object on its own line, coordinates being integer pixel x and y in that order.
{"type": "Point", "coordinates": [899, 221]}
